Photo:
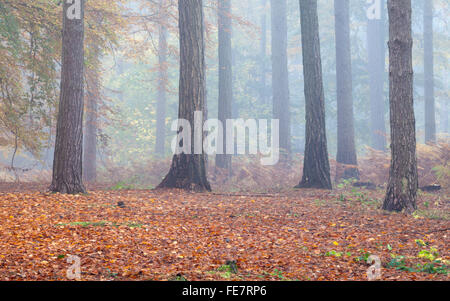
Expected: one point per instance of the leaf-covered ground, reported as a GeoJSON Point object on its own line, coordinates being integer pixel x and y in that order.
{"type": "Point", "coordinates": [163, 235]}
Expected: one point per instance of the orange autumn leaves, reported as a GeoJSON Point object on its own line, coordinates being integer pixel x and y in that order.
{"type": "Point", "coordinates": [159, 234]}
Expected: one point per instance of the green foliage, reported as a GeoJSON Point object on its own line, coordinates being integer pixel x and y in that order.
{"type": "Point", "coordinates": [435, 265]}
{"type": "Point", "coordinates": [333, 253]}
{"type": "Point", "coordinates": [346, 183]}
{"type": "Point", "coordinates": [363, 257]}
{"type": "Point", "coordinates": [178, 277]}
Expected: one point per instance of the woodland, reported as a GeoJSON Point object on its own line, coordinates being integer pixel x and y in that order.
{"type": "Point", "coordinates": [109, 111]}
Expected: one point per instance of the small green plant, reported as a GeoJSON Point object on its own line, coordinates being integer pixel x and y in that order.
{"type": "Point", "coordinates": [430, 254]}
{"type": "Point", "coordinates": [333, 253]}
{"type": "Point", "coordinates": [342, 198]}
{"type": "Point", "coordinates": [227, 270]}
{"type": "Point", "coordinates": [363, 257]}
{"type": "Point", "coordinates": [177, 277]}
{"type": "Point", "coordinates": [346, 183]}
{"type": "Point", "coordinates": [276, 273]}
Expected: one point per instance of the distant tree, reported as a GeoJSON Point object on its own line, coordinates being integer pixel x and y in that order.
{"type": "Point", "coordinates": [430, 113]}
{"type": "Point", "coordinates": [377, 61]}
{"type": "Point", "coordinates": [280, 74]}
{"type": "Point", "coordinates": [403, 180]}
{"type": "Point", "coordinates": [91, 124]}
{"type": "Point", "coordinates": [444, 115]}
{"type": "Point", "coordinates": [225, 75]}
{"type": "Point", "coordinates": [163, 78]}
{"type": "Point", "coordinates": [188, 171]}
{"type": "Point", "coordinates": [67, 163]}
{"type": "Point", "coordinates": [346, 151]}
{"type": "Point", "coordinates": [316, 167]}
{"type": "Point", "coordinates": [263, 54]}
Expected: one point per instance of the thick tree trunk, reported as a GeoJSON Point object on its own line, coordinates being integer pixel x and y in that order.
{"type": "Point", "coordinates": [91, 127]}
{"type": "Point", "coordinates": [188, 171]}
{"type": "Point", "coordinates": [225, 76]}
{"type": "Point", "coordinates": [263, 54]}
{"type": "Point", "coordinates": [162, 84]}
{"type": "Point", "coordinates": [346, 151]}
{"type": "Point", "coordinates": [316, 168]}
{"type": "Point", "coordinates": [403, 181]}
{"type": "Point", "coordinates": [377, 62]}
{"type": "Point", "coordinates": [430, 113]}
{"type": "Point", "coordinates": [67, 163]}
{"type": "Point", "coordinates": [280, 74]}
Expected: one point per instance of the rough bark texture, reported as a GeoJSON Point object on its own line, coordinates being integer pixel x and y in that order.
{"type": "Point", "coordinates": [91, 128]}
{"type": "Point", "coordinates": [67, 163]}
{"type": "Point", "coordinates": [225, 76]}
{"type": "Point", "coordinates": [346, 151]}
{"type": "Point", "coordinates": [188, 171]}
{"type": "Point", "coordinates": [162, 83]}
{"type": "Point", "coordinates": [403, 180]}
{"type": "Point", "coordinates": [377, 62]}
{"type": "Point", "coordinates": [316, 169]}
{"type": "Point", "coordinates": [430, 113]}
{"type": "Point", "coordinates": [280, 75]}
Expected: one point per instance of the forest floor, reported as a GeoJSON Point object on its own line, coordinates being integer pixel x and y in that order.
{"type": "Point", "coordinates": [175, 235]}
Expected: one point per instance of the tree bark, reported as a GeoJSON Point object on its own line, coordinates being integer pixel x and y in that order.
{"type": "Point", "coordinates": [377, 62]}
{"type": "Point", "coordinates": [346, 151]}
{"type": "Point", "coordinates": [67, 163]}
{"type": "Point", "coordinates": [430, 113]}
{"type": "Point", "coordinates": [316, 167]}
{"type": "Point", "coordinates": [403, 179]}
{"type": "Point", "coordinates": [280, 74]}
{"type": "Point", "coordinates": [225, 76]}
{"type": "Point", "coordinates": [162, 83]}
{"type": "Point", "coordinates": [188, 171]}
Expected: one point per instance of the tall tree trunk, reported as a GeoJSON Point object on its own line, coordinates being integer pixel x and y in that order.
{"type": "Point", "coordinates": [430, 113]}
{"type": "Point", "coordinates": [91, 127]}
{"type": "Point", "coordinates": [377, 62]}
{"type": "Point", "coordinates": [346, 151]}
{"type": "Point", "coordinates": [403, 181]}
{"type": "Point", "coordinates": [263, 54]}
{"type": "Point", "coordinates": [316, 167]}
{"type": "Point", "coordinates": [188, 171]}
{"type": "Point", "coordinates": [67, 162]}
{"type": "Point", "coordinates": [162, 83]}
{"type": "Point", "coordinates": [280, 74]}
{"type": "Point", "coordinates": [225, 76]}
